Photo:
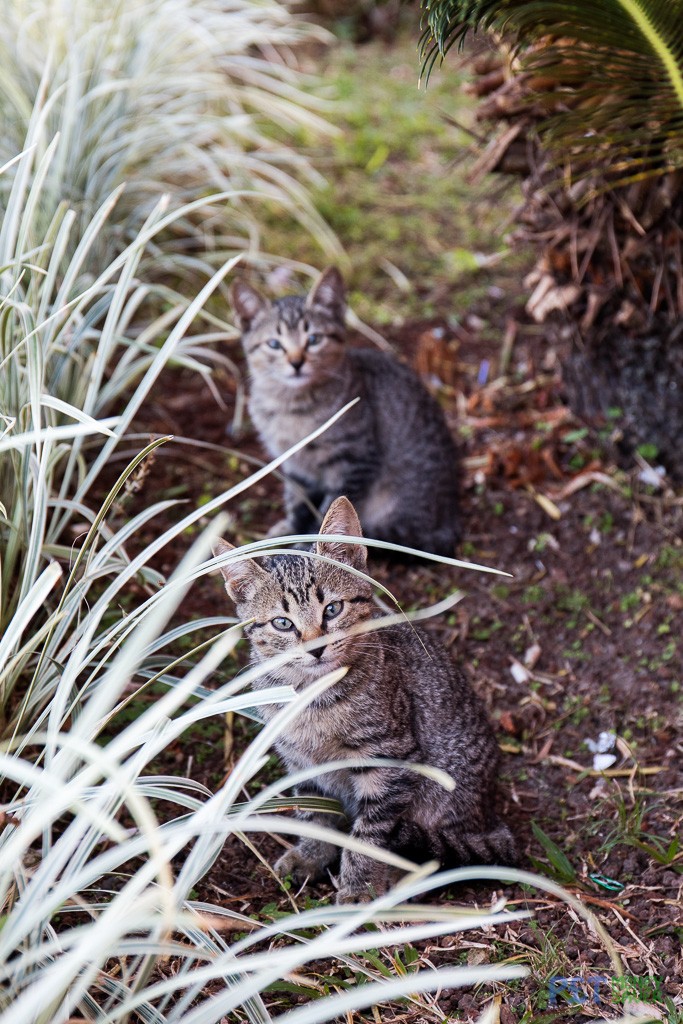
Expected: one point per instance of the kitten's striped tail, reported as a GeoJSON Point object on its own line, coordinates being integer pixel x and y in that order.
{"type": "Point", "coordinates": [495, 847]}
{"type": "Point", "coordinates": [454, 846]}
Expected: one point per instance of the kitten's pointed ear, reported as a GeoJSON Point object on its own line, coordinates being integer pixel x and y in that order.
{"type": "Point", "coordinates": [342, 518]}
{"type": "Point", "coordinates": [329, 293]}
{"type": "Point", "coordinates": [247, 303]}
{"type": "Point", "coordinates": [241, 578]}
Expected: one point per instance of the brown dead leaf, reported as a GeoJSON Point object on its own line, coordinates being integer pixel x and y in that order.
{"type": "Point", "coordinates": [584, 480]}
{"type": "Point", "coordinates": [508, 723]}
{"type": "Point", "coordinates": [437, 356]}
{"type": "Point", "coordinates": [218, 923]}
{"type": "Point", "coordinates": [544, 751]}
{"type": "Point", "coordinates": [548, 506]}
{"type": "Point", "coordinates": [549, 459]}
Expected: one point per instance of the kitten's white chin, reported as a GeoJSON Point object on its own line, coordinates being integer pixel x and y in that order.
{"type": "Point", "coordinates": [305, 671]}
{"type": "Point", "coordinates": [320, 666]}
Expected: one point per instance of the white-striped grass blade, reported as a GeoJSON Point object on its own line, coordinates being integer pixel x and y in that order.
{"type": "Point", "coordinates": [29, 438]}
{"type": "Point", "coordinates": [32, 603]}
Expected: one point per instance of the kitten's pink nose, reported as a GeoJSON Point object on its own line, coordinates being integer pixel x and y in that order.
{"type": "Point", "coordinates": [296, 364]}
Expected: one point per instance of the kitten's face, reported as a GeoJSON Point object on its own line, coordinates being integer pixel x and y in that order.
{"type": "Point", "coordinates": [294, 599]}
{"type": "Point", "coordinates": [297, 341]}
{"type": "Point", "coordinates": [302, 599]}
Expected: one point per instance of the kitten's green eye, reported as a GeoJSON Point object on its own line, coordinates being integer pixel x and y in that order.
{"type": "Point", "coordinates": [281, 623]}
{"type": "Point", "coordinates": [313, 339]}
{"type": "Point", "coordinates": [273, 343]}
{"type": "Point", "coordinates": [333, 609]}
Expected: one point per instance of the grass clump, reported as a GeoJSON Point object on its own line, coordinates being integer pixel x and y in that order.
{"type": "Point", "coordinates": [185, 97]}
{"type": "Point", "coordinates": [134, 150]}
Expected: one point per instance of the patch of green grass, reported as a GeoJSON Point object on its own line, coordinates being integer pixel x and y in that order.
{"type": "Point", "coordinates": [570, 600]}
{"type": "Point", "coordinates": [669, 557]}
{"type": "Point", "coordinates": [574, 706]}
{"type": "Point", "coordinates": [626, 825]}
{"type": "Point", "coordinates": [396, 194]}
{"type": "Point", "coordinates": [575, 435]}
{"type": "Point", "coordinates": [630, 600]}
{"type": "Point", "coordinates": [669, 651]}
{"type": "Point", "coordinates": [482, 630]}
{"type": "Point", "coordinates": [606, 523]}
{"type": "Point", "coordinates": [542, 542]}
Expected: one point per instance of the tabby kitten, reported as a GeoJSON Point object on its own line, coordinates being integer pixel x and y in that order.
{"type": "Point", "coordinates": [392, 454]}
{"type": "Point", "coordinates": [401, 698]}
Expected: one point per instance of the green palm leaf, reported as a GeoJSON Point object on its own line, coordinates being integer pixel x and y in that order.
{"type": "Point", "coordinates": [606, 76]}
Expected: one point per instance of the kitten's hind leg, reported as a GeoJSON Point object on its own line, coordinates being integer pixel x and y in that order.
{"type": "Point", "coordinates": [301, 505]}
{"type": "Point", "coordinates": [386, 518]}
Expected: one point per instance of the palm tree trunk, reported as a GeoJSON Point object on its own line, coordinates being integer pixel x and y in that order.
{"type": "Point", "coordinates": [641, 376]}
{"type": "Point", "coordinates": [609, 273]}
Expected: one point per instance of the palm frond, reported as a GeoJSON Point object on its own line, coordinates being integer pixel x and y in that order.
{"type": "Point", "coordinates": [606, 78]}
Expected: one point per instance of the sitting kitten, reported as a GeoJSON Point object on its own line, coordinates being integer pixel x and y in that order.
{"type": "Point", "coordinates": [392, 454]}
{"type": "Point", "coordinates": [402, 698]}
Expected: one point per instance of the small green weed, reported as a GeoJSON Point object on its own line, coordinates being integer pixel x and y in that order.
{"type": "Point", "coordinates": [561, 868]}
{"type": "Point", "coordinates": [533, 594]}
{"type": "Point", "coordinates": [630, 830]}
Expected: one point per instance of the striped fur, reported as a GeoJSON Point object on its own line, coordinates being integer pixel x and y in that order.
{"type": "Point", "coordinates": [402, 698]}
{"type": "Point", "coordinates": [392, 454]}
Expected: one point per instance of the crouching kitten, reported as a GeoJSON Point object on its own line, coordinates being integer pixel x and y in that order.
{"type": "Point", "coordinates": [402, 698]}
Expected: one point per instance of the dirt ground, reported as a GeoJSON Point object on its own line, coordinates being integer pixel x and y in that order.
{"type": "Point", "coordinates": [584, 639]}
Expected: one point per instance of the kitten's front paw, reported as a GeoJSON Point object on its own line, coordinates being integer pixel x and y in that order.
{"type": "Point", "coordinates": [299, 866]}
{"type": "Point", "coordinates": [281, 528]}
{"type": "Point", "coordinates": [354, 894]}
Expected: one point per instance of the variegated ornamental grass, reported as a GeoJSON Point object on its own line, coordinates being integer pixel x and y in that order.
{"type": "Point", "coordinates": [185, 97]}
{"type": "Point", "coordinates": [137, 140]}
